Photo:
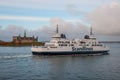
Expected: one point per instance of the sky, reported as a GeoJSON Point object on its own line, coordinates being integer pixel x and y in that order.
{"type": "Point", "coordinates": [74, 17]}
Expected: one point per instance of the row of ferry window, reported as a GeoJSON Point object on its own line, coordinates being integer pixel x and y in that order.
{"type": "Point", "coordinates": [79, 45]}
{"type": "Point", "coordinates": [94, 45]}
{"type": "Point", "coordinates": [72, 42]}
{"type": "Point", "coordinates": [66, 45]}
{"type": "Point", "coordinates": [65, 42]}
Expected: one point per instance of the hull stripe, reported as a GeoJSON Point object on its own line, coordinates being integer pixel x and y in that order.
{"type": "Point", "coordinates": [69, 53]}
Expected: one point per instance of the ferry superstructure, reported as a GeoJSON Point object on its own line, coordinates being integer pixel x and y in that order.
{"type": "Point", "coordinates": [60, 45]}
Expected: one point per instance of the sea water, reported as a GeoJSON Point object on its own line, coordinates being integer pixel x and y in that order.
{"type": "Point", "coordinates": [18, 63]}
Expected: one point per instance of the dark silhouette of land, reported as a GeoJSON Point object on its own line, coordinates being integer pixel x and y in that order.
{"type": "Point", "coordinates": [22, 41]}
{"type": "Point", "coordinates": [3, 43]}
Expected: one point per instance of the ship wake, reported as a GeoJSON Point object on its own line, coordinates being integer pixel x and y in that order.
{"type": "Point", "coordinates": [14, 56]}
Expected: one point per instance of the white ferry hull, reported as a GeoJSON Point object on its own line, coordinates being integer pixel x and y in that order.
{"type": "Point", "coordinates": [39, 51]}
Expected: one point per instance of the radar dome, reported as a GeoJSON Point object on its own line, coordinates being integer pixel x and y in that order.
{"type": "Point", "coordinates": [63, 36]}
{"type": "Point", "coordinates": [86, 37]}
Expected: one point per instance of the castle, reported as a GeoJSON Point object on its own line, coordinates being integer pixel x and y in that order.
{"type": "Point", "coordinates": [24, 39]}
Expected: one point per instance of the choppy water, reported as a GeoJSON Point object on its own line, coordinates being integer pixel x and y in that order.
{"type": "Point", "coordinates": [18, 63]}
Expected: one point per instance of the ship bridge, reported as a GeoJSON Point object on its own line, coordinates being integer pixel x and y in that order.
{"type": "Point", "coordinates": [58, 36]}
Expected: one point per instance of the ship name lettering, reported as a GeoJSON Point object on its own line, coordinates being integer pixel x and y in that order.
{"type": "Point", "coordinates": [81, 49]}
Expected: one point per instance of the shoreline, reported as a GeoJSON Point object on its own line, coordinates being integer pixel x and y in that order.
{"type": "Point", "coordinates": [11, 44]}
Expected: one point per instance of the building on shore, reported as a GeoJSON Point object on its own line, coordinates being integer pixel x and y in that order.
{"type": "Point", "coordinates": [24, 39]}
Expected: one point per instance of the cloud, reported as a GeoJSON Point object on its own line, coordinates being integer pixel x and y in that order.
{"type": "Point", "coordinates": [72, 30]}
{"type": "Point", "coordinates": [80, 8]}
{"type": "Point", "coordinates": [11, 30]}
{"type": "Point", "coordinates": [76, 30]}
{"type": "Point", "coordinates": [29, 18]}
{"type": "Point", "coordinates": [36, 4]}
{"type": "Point", "coordinates": [24, 18]}
{"type": "Point", "coordinates": [73, 10]}
{"type": "Point", "coordinates": [50, 4]}
{"type": "Point", "coordinates": [106, 19]}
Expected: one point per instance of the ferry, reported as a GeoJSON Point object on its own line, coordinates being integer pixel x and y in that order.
{"type": "Point", "coordinates": [60, 45]}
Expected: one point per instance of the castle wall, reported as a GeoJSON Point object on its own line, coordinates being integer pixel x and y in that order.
{"type": "Point", "coordinates": [19, 39]}
{"type": "Point", "coordinates": [24, 39]}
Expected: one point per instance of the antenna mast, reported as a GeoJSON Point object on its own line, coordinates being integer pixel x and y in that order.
{"type": "Point", "coordinates": [91, 33]}
{"type": "Point", "coordinates": [57, 29]}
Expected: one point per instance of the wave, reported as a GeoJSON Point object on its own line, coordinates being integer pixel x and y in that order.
{"type": "Point", "coordinates": [14, 56]}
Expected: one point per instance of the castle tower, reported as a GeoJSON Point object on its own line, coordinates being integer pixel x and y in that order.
{"type": "Point", "coordinates": [33, 37]}
{"type": "Point", "coordinates": [19, 36]}
{"type": "Point", "coordinates": [37, 38]}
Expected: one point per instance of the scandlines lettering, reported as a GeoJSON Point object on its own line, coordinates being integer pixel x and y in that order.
{"type": "Point", "coordinates": [81, 49]}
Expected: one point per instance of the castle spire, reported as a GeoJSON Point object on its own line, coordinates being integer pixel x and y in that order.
{"type": "Point", "coordinates": [33, 36]}
{"type": "Point", "coordinates": [19, 35]}
{"type": "Point", "coordinates": [57, 29]}
{"type": "Point", "coordinates": [25, 33]}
